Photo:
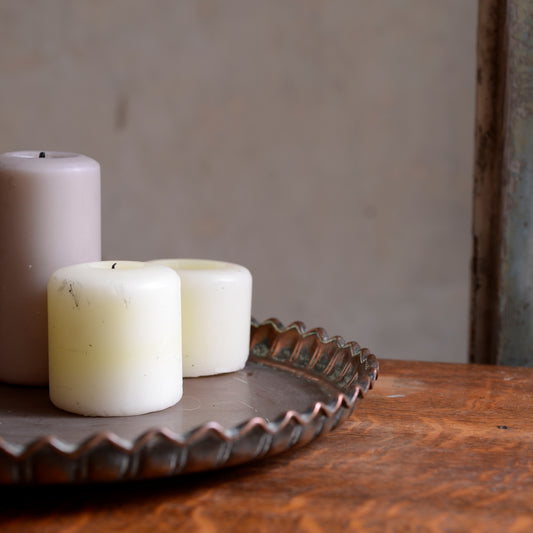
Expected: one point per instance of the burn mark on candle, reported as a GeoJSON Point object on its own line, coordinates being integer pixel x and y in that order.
{"type": "Point", "coordinates": [42, 155]}
{"type": "Point", "coordinates": [113, 266]}
{"type": "Point", "coordinates": [74, 295]}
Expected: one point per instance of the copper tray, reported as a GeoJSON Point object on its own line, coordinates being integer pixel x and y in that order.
{"type": "Point", "coordinates": [296, 385]}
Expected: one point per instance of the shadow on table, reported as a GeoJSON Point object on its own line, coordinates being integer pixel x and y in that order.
{"type": "Point", "coordinates": [40, 500]}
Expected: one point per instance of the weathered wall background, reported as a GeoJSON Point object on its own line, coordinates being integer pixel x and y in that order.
{"type": "Point", "coordinates": [325, 145]}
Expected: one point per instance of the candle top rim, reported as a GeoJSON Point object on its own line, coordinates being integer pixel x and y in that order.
{"type": "Point", "coordinates": [140, 272]}
{"type": "Point", "coordinates": [200, 266]}
{"type": "Point", "coordinates": [30, 160]}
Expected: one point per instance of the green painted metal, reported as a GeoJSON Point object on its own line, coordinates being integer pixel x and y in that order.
{"type": "Point", "coordinates": [516, 270]}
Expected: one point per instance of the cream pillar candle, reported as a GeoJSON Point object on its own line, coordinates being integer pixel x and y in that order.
{"type": "Point", "coordinates": [114, 338]}
{"type": "Point", "coordinates": [216, 299]}
{"type": "Point", "coordinates": [49, 217]}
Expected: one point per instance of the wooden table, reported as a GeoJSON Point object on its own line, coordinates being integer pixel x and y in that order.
{"type": "Point", "coordinates": [434, 447]}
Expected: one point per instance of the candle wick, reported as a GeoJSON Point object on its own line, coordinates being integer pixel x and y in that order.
{"type": "Point", "coordinates": [42, 154]}
{"type": "Point", "coordinates": [113, 266]}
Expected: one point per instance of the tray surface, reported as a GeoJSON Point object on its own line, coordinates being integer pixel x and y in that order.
{"type": "Point", "coordinates": [296, 385]}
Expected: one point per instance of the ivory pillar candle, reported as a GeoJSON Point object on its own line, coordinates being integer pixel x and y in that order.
{"type": "Point", "coordinates": [49, 217]}
{"type": "Point", "coordinates": [114, 338]}
{"type": "Point", "coordinates": [216, 299]}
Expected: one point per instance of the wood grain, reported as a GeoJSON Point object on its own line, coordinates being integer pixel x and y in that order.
{"type": "Point", "coordinates": [434, 447]}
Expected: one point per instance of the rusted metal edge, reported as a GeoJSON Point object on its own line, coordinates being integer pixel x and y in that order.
{"type": "Point", "coordinates": [490, 90]}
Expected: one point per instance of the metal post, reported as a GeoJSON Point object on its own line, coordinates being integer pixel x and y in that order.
{"type": "Point", "coordinates": [501, 329]}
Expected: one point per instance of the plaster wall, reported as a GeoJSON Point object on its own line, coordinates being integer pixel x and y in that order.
{"type": "Point", "coordinates": [326, 145]}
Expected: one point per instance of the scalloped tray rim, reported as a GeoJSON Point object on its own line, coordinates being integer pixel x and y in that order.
{"type": "Point", "coordinates": [346, 399]}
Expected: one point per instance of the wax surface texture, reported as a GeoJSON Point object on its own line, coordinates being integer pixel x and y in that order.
{"type": "Point", "coordinates": [216, 315]}
{"type": "Point", "coordinates": [114, 338]}
{"type": "Point", "coordinates": [49, 218]}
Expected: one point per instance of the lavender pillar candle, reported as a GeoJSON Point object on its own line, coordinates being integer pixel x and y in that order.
{"type": "Point", "coordinates": [49, 218]}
